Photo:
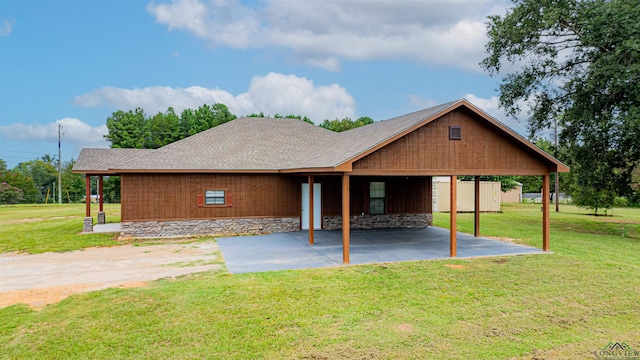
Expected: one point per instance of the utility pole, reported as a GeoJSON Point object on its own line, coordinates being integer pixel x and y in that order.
{"type": "Point", "coordinates": [59, 167]}
{"type": "Point", "coordinates": [557, 185]}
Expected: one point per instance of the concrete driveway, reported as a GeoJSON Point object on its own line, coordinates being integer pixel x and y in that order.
{"type": "Point", "coordinates": [291, 250]}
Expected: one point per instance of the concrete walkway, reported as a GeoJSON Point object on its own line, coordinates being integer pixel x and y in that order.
{"type": "Point", "coordinates": [106, 228]}
{"type": "Point", "coordinates": [283, 251]}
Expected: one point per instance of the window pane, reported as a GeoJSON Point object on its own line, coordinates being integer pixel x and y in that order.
{"type": "Point", "coordinates": [376, 189]}
{"type": "Point", "coordinates": [214, 197]}
{"type": "Point", "coordinates": [376, 206]}
{"type": "Point", "coordinates": [214, 193]}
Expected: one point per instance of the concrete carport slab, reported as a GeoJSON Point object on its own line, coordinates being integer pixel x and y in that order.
{"type": "Point", "coordinates": [291, 250]}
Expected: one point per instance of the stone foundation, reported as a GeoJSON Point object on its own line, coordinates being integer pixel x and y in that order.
{"type": "Point", "coordinates": [380, 221]}
{"type": "Point", "coordinates": [101, 218]}
{"type": "Point", "coordinates": [253, 226]}
{"type": "Point", "coordinates": [87, 225]}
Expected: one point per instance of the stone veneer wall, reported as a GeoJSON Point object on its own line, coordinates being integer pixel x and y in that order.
{"type": "Point", "coordinates": [380, 221]}
{"type": "Point", "coordinates": [177, 228]}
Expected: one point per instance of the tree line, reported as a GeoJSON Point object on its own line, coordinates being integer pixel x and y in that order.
{"type": "Point", "coordinates": [136, 130]}
{"type": "Point", "coordinates": [36, 181]}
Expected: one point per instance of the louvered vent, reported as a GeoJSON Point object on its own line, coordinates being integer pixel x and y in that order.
{"type": "Point", "coordinates": [455, 133]}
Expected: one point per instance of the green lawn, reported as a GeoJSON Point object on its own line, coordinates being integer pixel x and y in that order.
{"type": "Point", "coordinates": [562, 305]}
{"type": "Point", "coordinates": [55, 227]}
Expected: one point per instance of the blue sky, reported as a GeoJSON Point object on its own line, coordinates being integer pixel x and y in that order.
{"type": "Point", "coordinates": [76, 62]}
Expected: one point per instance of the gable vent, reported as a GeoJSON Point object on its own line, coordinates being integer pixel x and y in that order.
{"type": "Point", "coordinates": [455, 133]}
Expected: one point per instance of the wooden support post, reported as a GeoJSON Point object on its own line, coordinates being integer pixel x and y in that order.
{"type": "Point", "coordinates": [100, 192]}
{"type": "Point", "coordinates": [345, 218]}
{"type": "Point", "coordinates": [476, 219]}
{"type": "Point", "coordinates": [453, 214]}
{"type": "Point", "coordinates": [88, 194]}
{"type": "Point", "coordinates": [311, 214]}
{"type": "Point", "coordinates": [545, 212]}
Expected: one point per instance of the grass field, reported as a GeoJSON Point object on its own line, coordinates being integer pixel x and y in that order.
{"type": "Point", "coordinates": [564, 305]}
{"type": "Point", "coordinates": [56, 227]}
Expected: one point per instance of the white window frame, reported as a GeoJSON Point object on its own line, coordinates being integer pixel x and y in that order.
{"type": "Point", "coordinates": [216, 197]}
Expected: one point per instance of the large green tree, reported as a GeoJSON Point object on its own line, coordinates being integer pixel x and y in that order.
{"type": "Point", "coordinates": [18, 188]}
{"type": "Point", "coordinates": [43, 172]}
{"type": "Point", "coordinates": [161, 129]}
{"type": "Point", "coordinates": [204, 118]}
{"type": "Point", "coordinates": [135, 130]}
{"type": "Point", "coordinates": [126, 129]}
{"type": "Point", "coordinates": [578, 63]}
{"type": "Point", "coordinates": [345, 124]}
{"type": "Point", "coordinates": [73, 185]}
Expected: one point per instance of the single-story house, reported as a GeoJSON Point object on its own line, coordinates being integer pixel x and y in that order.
{"type": "Point", "coordinates": [260, 175]}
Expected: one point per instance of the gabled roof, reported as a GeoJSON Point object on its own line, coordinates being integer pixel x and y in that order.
{"type": "Point", "coordinates": [287, 145]}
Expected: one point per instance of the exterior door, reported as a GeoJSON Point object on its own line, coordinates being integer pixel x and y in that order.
{"type": "Point", "coordinates": [317, 206]}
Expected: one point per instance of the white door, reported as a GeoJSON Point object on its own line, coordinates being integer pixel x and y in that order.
{"type": "Point", "coordinates": [317, 188]}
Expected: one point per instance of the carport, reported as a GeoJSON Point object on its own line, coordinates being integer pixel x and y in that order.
{"type": "Point", "coordinates": [287, 251]}
{"type": "Point", "coordinates": [249, 176]}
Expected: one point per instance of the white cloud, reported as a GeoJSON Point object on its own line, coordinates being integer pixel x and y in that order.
{"type": "Point", "coordinates": [272, 94]}
{"type": "Point", "coordinates": [321, 33]}
{"type": "Point", "coordinates": [492, 107]}
{"type": "Point", "coordinates": [75, 132]}
{"type": "Point", "coordinates": [6, 26]}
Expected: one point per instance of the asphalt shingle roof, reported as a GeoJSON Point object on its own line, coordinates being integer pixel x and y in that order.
{"type": "Point", "coordinates": [93, 160]}
{"type": "Point", "coordinates": [243, 144]}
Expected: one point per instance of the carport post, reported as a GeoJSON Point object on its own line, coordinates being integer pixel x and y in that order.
{"type": "Point", "coordinates": [87, 223]}
{"type": "Point", "coordinates": [545, 212]}
{"type": "Point", "coordinates": [476, 219]}
{"type": "Point", "coordinates": [100, 187]}
{"type": "Point", "coordinates": [311, 215]}
{"type": "Point", "coordinates": [101, 216]}
{"type": "Point", "coordinates": [88, 194]}
{"type": "Point", "coordinates": [345, 218]}
{"type": "Point", "coordinates": [453, 240]}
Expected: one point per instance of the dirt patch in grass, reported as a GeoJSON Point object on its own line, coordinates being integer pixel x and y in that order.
{"type": "Point", "coordinates": [405, 328]}
{"type": "Point", "coordinates": [505, 239]}
{"type": "Point", "coordinates": [616, 221]}
{"type": "Point", "coordinates": [38, 298]}
{"type": "Point", "coordinates": [343, 352]}
{"type": "Point", "coordinates": [454, 266]}
{"type": "Point", "coordinates": [22, 221]}
{"type": "Point", "coordinates": [46, 278]}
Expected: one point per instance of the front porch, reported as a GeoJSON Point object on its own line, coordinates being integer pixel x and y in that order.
{"type": "Point", "coordinates": [291, 250]}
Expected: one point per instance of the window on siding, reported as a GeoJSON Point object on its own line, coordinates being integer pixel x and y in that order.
{"type": "Point", "coordinates": [455, 133]}
{"type": "Point", "coordinates": [376, 198]}
{"type": "Point", "coordinates": [215, 197]}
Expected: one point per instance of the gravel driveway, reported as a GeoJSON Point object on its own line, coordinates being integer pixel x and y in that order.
{"type": "Point", "coordinates": [42, 279]}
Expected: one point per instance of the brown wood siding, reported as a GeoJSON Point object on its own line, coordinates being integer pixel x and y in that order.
{"type": "Point", "coordinates": [404, 195]}
{"type": "Point", "coordinates": [175, 196]}
{"type": "Point", "coordinates": [428, 150]}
